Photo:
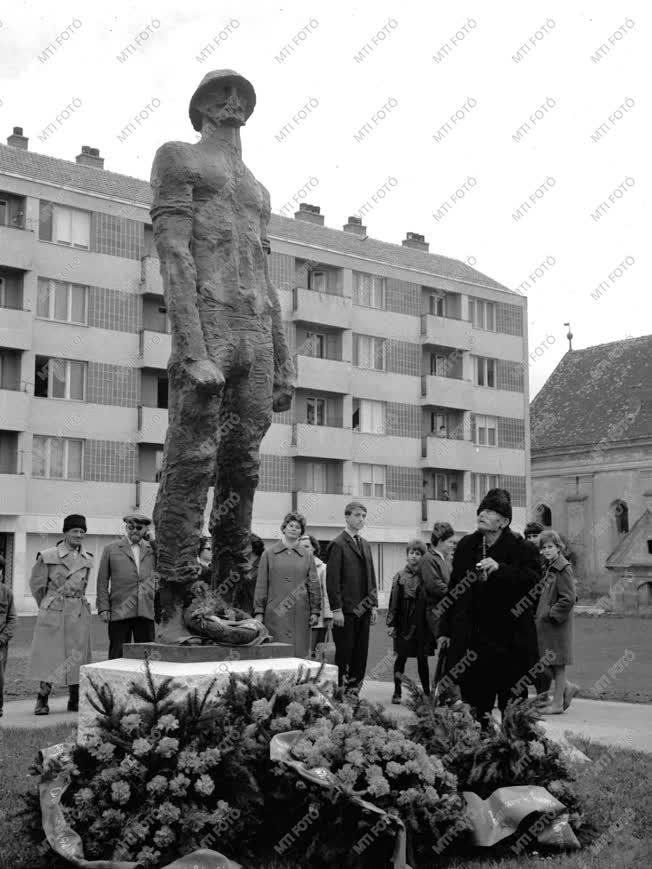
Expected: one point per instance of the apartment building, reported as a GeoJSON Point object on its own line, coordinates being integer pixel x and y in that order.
{"type": "Point", "coordinates": [411, 389]}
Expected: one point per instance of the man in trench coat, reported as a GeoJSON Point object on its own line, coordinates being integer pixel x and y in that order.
{"type": "Point", "coordinates": [62, 637]}
{"type": "Point", "coordinates": [126, 586]}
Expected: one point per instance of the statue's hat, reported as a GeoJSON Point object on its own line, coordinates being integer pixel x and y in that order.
{"type": "Point", "coordinates": [221, 78]}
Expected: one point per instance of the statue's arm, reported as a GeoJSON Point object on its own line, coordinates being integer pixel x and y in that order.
{"type": "Point", "coordinates": [172, 219]}
{"type": "Point", "coordinates": [284, 373]}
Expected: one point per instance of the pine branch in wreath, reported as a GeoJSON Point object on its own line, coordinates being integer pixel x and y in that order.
{"type": "Point", "coordinates": [158, 697]}
{"type": "Point", "coordinates": [109, 714]}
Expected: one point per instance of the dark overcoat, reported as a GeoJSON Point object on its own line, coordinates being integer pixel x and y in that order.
{"type": "Point", "coordinates": [287, 594]}
{"type": "Point", "coordinates": [407, 614]}
{"type": "Point", "coordinates": [436, 573]}
{"type": "Point", "coordinates": [554, 617]}
{"type": "Point", "coordinates": [493, 618]}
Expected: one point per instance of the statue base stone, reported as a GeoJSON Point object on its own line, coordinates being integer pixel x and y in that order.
{"type": "Point", "coordinates": [121, 672]}
{"type": "Point", "coordinates": [192, 654]}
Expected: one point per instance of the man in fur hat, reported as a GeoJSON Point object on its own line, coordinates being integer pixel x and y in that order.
{"type": "Point", "coordinates": [488, 615]}
{"type": "Point", "coordinates": [62, 637]}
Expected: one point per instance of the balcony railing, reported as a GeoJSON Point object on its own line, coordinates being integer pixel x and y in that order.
{"type": "Point", "coordinates": [332, 420]}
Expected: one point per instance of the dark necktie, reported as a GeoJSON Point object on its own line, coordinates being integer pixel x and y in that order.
{"type": "Point", "coordinates": [358, 545]}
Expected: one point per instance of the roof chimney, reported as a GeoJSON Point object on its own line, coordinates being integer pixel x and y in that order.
{"type": "Point", "coordinates": [90, 157]}
{"type": "Point", "coordinates": [354, 225]}
{"type": "Point", "coordinates": [17, 140]}
{"type": "Point", "coordinates": [309, 213]}
{"type": "Point", "coordinates": [413, 239]}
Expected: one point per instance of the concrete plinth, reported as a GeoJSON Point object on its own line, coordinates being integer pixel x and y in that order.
{"type": "Point", "coordinates": [193, 654]}
{"type": "Point", "coordinates": [119, 673]}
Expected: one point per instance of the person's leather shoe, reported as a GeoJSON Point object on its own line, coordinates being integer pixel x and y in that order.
{"type": "Point", "coordinates": [42, 707]}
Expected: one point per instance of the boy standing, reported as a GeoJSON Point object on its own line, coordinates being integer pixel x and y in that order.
{"type": "Point", "coordinates": [7, 625]}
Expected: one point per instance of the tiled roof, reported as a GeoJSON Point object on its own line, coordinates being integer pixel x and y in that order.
{"type": "Point", "coordinates": [89, 179]}
{"type": "Point", "coordinates": [598, 395]}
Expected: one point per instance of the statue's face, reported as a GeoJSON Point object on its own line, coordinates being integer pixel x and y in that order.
{"type": "Point", "coordinates": [224, 106]}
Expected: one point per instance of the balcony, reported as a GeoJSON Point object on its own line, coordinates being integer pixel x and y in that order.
{"type": "Point", "coordinates": [150, 275]}
{"type": "Point", "coordinates": [460, 514]}
{"type": "Point", "coordinates": [17, 246]}
{"type": "Point", "coordinates": [446, 332]}
{"type": "Point", "coordinates": [14, 409]}
{"type": "Point", "coordinates": [447, 392]}
{"type": "Point", "coordinates": [154, 348]}
{"type": "Point", "coordinates": [499, 402]}
{"type": "Point", "coordinates": [152, 425]}
{"type": "Point", "coordinates": [321, 441]}
{"type": "Point", "coordinates": [326, 309]}
{"type": "Point", "coordinates": [380, 449]}
{"type": "Point", "coordinates": [453, 455]}
{"type": "Point", "coordinates": [321, 508]}
{"type": "Point", "coordinates": [15, 328]}
{"type": "Point", "coordinates": [324, 375]}
{"type": "Point", "coordinates": [13, 494]}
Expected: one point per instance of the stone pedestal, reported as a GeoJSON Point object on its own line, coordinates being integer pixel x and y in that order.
{"type": "Point", "coordinates": [120, 672]}
{"type": "Point", "coordinates": [193, 654]}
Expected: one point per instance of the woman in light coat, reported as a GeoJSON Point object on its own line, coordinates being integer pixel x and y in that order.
{"type": "Point", "coordinates": [554, 618]}
{"type": "Point", "coordinates": [311, 544]}
{"type": "Point", "coordinates": [287, 599]}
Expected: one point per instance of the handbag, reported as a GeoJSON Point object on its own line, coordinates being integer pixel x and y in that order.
{"type": "Point", "coordinates": [325, 652]}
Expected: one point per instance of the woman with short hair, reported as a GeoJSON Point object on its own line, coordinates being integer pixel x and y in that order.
{"type": "Point", "coordinates": [287, 598]}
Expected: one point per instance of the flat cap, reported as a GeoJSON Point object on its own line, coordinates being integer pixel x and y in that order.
{"type": "Point", "coordinates": [140, 518]}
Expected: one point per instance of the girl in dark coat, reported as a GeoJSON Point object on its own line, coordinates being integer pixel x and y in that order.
{"type": "Point", "coordinates": [407, 621]}
{"type": "Point", "coordinates": [554, 616]}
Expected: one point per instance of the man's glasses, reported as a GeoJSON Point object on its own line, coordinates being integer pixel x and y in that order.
{"type": "Point", "coordinates": [134, 525]}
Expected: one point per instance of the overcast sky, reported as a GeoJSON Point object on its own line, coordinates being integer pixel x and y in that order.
{"type": "Point", "coordinates": [486, 106]}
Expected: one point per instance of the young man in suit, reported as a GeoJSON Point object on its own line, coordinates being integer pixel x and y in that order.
{"type": "Point", "coordinates": [128, 567]}
{"type": "Point", "coordinates": [353, 596]}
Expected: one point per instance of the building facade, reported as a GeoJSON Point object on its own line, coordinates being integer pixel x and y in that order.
{"type": "Point", "coordinates": [592, 451]}
{"type": "Point", "coordinates": [411, 371]}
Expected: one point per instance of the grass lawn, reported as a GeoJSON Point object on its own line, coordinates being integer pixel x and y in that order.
{"type": "Point", "coordinates": [612, 792]}
{"type": "Point", "coordinates": [599, 644]}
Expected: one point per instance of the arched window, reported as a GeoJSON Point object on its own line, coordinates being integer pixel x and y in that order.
{"type": "Point", "coordinates": [543, 514]}
{"type": "Point", "coordinates": [620, 513]}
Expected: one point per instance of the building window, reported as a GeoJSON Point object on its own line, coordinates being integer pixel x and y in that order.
{"type": "Point", "coordinates": [370, 352]}
{"type": "Point", "coordinates": [438, 365]}
{"type": "Point", "coordinates": [438, 424]}
{"type": "Point", "coordinates": [485, 430]}
{"type": "Point", "coordinates": [59, 378]}
{"type": "Point", "coordinates": [480, 485]}
{"type": "Point", "coordinates": [315, 345]}
{"type": "Point", "coordinates": [368, 290]}
{"type": "Point", "coordinates": [65, 303]}
{"type": "Point", "coordinates": [68, 226]}
{"type": "Point", "coordinates": [158, 465]}
{"type": "Point", "coordinates": [316, 477]}
{"type": "Point", "coordinates": [324, 280]}
{"type": "Point", "coordinates": [371, 417]}
{"type": "Point", "coordinates": [57, 458]}
{"type": "Point", "coordinates": [620, 512]}
{"type": "Point", "coordinates": [482, 314]}
{"type": "Point", "coordinates": [438, 304]}
{"type": "Point", "coordinates": [12, 210]}
{"type": "Point", "coordinates": [316, 411]}
{"type": "Point", "coordinates": [371, 481]}
{"type": "Point", "coordinates": [484, 371]}
{"type": "Point", "coordinates": [11, 291]}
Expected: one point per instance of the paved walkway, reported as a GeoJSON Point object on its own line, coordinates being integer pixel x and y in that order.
{"type": "Point", "coordinates": [625, 725]}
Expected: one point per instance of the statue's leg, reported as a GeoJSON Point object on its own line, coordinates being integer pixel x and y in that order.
{"type": "Point", "coordinates": [246, 417]}
{"type": "Point", "coordinates": [188, 468]}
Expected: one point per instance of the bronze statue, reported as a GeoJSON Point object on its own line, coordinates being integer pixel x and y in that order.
{"type": "Point", "coordinates": [230, 366]}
